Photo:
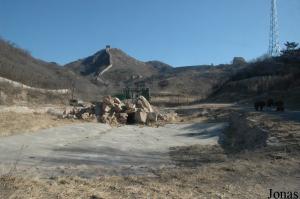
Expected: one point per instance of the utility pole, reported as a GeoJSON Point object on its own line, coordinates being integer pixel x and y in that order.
{"type": "Point", "coordinates": [274, 48]}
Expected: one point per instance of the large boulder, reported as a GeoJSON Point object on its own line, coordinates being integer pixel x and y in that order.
{"type": "Point", "coordinates": [85, 116]}
{"type": "Point", "coordinates": [117, 100]}
{"type": "Point", "coordinates": [161, 117]}
{"type": "Point", "coordinates": [112, 119]}
{"type": "Point", "coordinates": [143, 103]}
{"type": "Point", "coordinates": [108, 100]}
{"type": "Point", "coordinates": [130, 107]}
{"type": "Point", "coordinates": [89, 109]}
{"type": "Point", "coordinates": [118, 108]}
{"type": "Point", "coordinates": [122, 118]}
{"type": "Point", "coordinates": [104, 118]}
{"type": "Point", "coordinates": [152, 117]}
{"type": "Point", "coordinates": [105, 108]}
{"type": "Point", "coordinates": [140, 117]}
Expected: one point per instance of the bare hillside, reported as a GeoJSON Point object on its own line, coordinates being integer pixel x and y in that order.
{"type": "Point", "coordinates": [190, 84]}
{"type": "Point", "coordinates": [277, 78]}
{"type": "Point", "coordinates": [18, 65]}
{"type": "Point", "coordinates": [160, 66]}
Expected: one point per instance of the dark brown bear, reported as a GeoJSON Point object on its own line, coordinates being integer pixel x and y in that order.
{"type": "Point", "coordinates": [270, 103]}
{"type": "Point", "coordinates": [259, 105]}
{"type": "Point", "coordinates": [279, 105]}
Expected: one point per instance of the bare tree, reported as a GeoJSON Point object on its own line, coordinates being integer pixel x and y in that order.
{"type": "Point", "coordinates": [291, 45]}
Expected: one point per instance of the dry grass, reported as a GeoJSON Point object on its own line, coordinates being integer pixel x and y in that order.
{"type": "Point", "coordinates": [12, 123]}
{"type": "Point", "coordinates": [239, 178]}
{"type": "Point", "coordinates": [286, 128]}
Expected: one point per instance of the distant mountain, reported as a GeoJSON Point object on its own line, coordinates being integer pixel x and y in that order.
{"type": "Point", "coordinates": [91, 65]}
{"type": "Point", "coordinates": [112, 67]}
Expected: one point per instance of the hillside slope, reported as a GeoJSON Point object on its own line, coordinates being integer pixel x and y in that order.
{"type": "Point", "coordinates": [18, 65]}
{"type": "Point", "coordinates": [194, 82]}
{"type": "Point", "coordinates": [160, 66]}
{"type": "Point", "coordinates": [271, 78]}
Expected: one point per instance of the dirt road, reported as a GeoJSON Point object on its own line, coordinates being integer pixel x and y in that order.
{"type": "Point", "coordinates": [90, 149]}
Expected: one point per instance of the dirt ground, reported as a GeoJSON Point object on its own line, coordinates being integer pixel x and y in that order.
{"type": "Point", "coordinates": [243, 176]}
{"type": "Point", "coordinates": [199, 171]}
{"type": "Point", "coordinates": [93, 149]}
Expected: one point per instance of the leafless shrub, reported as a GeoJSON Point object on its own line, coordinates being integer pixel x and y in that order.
{"type": "Point", "coordinates": [7, 180]}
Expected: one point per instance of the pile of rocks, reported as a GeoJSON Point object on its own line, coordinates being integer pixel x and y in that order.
{"type": "Point", "coordinates": [114, 111]}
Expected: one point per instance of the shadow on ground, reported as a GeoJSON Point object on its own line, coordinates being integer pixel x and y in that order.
{"type": "Point", "coordinates": [104, 156]}
{"type": "Point", "coordinates": [197, 155]}
{"type": "Point", "coordinates": [204, 131]}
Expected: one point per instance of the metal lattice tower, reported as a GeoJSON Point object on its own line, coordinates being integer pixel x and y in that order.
{"type": "Point", "coordinates": [274, 48]}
